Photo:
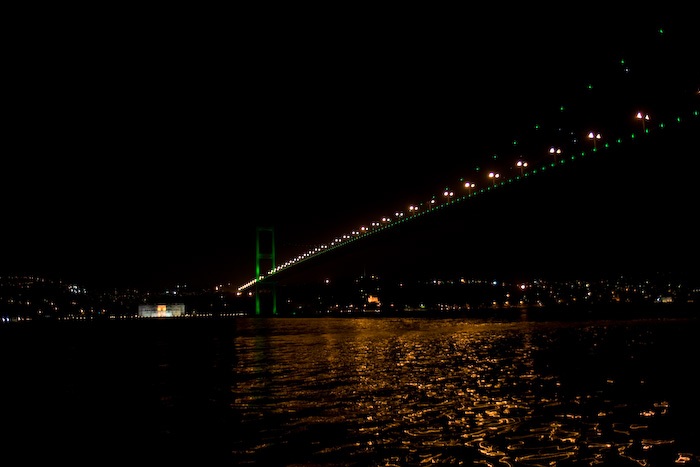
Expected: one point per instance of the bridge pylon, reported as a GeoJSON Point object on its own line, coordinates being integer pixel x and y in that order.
{"type": "Point", "coordinates": [266, 255]}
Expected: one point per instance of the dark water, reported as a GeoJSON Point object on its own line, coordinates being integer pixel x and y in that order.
{"type": "Point", "coordinates": [378, 391]}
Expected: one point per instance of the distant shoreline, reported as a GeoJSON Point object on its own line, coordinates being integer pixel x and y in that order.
{"type": "Point", "coordinates": [560, 313]}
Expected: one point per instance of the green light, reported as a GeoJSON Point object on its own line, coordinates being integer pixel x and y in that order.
{"type": "Point", "coordinates": [695, 113]}
{"type": "Point", "coordinates": [561, 108]}
{"type": "Point", "coordinates": [537, 126]}
{"type": "Point", "coordinates": [515, 142]}
{"type": "Point", "coordinates": [661, 30]}
{"type": "Point", "coordinates": [607, 145]}
{"type": "Point", "coordinates": [619, 140]}
{"type": "Point", "coordinates": [590, 86]}
{"type": "Point", "coordinates": [632, 135]}
{"type": "Point", "coordinates": [622, 61]}
{"type": "Point", "coordinates": [678, 119]}
{"type": "Point", "coordinates": [583, 153]}
{"type": "Point", "coordinates": [661, 125]}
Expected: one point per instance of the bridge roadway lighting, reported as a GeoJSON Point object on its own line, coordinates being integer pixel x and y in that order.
{"type": "Point", "coordinates": [594, 136]}
{"type": "Point", "coordinates": [521, 165]}
{"type": "Point", "coordinates": [493, 176]}
{"type": "Point", "coordinates": [555, 152]}
{"type": "Point", "coordinates": [448, 194]}
{"type": "Point", "coordinates": [469, 186]}
{"type": "Point", "coordinates": [644, 117]}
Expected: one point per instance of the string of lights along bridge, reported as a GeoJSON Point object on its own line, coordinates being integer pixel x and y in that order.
{"type": "Point", "coordinates": [566, 146]}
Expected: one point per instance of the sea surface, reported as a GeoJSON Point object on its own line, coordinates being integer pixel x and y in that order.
{"type": "Point", "coordinates": [354, 391]}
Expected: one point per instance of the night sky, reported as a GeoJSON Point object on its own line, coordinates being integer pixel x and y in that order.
{"type": "Point", "coordinates": [142, 148]}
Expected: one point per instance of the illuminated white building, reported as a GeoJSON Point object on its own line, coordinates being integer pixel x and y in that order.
{"type": "Point", "coordinates": [173, 310]}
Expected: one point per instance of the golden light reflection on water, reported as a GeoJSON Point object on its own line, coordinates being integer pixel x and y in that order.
{"type": "Point", "coordinates": [412, 392]}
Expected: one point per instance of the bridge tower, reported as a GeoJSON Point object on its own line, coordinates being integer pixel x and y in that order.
{"type": "Point", "coordinates": [268, 259]}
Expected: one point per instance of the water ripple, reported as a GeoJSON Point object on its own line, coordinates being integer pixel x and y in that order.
{"type": "Point", "coordinates": [411, 392]}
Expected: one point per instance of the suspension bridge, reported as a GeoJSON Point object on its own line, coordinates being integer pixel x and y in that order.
{"type": "Point", "coordinates": [604, 116]}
